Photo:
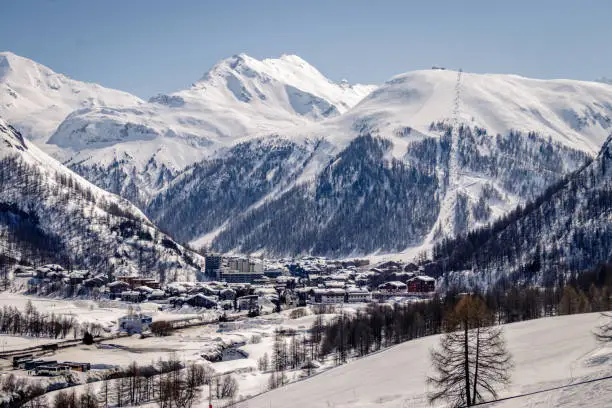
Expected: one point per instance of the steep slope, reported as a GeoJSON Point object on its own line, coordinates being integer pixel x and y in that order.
{"type": "Point", "coordinates": [567, 229]}
{"type": "Point", "coordinates": [36, 100]}
{"type": "Point", "coordinates": [50, 214]}
{"type": "Point", "coordinates": [427, 155]}
{"type": "Point", "coordinates": [239, 96]}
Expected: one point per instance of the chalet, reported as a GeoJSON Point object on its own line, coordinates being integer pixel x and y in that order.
{"type": "Point", "coordinates": [411, 267]}
{"type": "Point", "coordinates": [94, 282]}
{"type": "Point", "coordinates": [21, 271]}
{"type": "Point", "coordinates": [117, 287]}
{"type": "Point", "coordinates": [206, 290]}
{"type": "Point", "coordinates": [156, 294]}
{"type": "Point", "coordinates": [136, 281]}
{"type": "Point", "coordinates": [248, 302]}
{"type": "Point", "coordinates": [393, 287]}
{"type": "Point", "coordinates": [421, 284]}
{"type": "Point", "coordinates": [52, 370]}
{"type": "Point", "coordinates": [227, 294]}
{"type": "Point", "coordinates": [390, 266]}
{"type": "Point", "coordinates": [200, 300]}
{"type": "Point", "coordinates": [74, 366]}
{"type": "Point", "coordinates": [131, 296]}
{"type": "Point", "coordinates": [176, 288]}
{"type": "Point", "coordinates": [30, 365]}
{"type": "Point", "coordinates": [77, 277]}
{"type": "Point", "coordinates": [20, 359]}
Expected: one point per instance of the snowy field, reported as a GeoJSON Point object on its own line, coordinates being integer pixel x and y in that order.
{"type": "Point", "coordinates": [105, 313]}
{"type": "Point", "coordinates": [547, 353]}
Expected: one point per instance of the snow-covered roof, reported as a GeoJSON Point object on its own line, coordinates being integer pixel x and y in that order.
{"type": "Point", "coordinates": [423, 278]}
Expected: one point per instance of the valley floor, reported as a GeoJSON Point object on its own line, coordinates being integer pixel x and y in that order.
{"type": "Point", "coordinates": [548, 353]}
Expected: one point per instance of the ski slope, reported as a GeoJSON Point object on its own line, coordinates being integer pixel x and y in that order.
{"type": "Point", "coordinates": [547, 353]}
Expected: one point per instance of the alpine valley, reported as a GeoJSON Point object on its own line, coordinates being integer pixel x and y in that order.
{"type": "Point", "coordinates": [272, 157]}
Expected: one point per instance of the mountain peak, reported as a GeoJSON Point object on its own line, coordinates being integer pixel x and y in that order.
{"type": "Point", "coordinates": [295, 59]}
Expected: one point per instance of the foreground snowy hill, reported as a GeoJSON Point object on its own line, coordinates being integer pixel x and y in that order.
{"type": "Point", "coordinates": [50, 214]}
{"type": "Point", "coordinates": [35, 99]}
{"type": "Point", "coordinates": [545, 352]}
{"type": "Point", "coordinates": [429, 154]}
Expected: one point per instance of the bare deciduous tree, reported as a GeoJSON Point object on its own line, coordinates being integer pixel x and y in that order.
{"type": "Point", "coordinates": [472, 359]}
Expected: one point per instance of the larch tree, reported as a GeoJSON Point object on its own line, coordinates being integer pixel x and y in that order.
{"type": "Point", "coordinates": [472, 360]}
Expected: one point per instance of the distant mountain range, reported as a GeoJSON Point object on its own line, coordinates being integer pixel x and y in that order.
{"type": "Point", "coordinates": [270, 156]}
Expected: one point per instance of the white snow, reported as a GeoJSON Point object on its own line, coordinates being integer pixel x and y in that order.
{"type": "Point", "coordinates": [35, 99]}
{"type": "Point", "coordinates": [239, 96]}
{"type": "Point", "coordinates": [547, 352]}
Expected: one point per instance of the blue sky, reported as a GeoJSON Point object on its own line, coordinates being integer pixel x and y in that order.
{"type": "Point", "coordinates": [147, 47]}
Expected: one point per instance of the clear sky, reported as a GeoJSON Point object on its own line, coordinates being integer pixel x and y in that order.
{"type": "Point", "coordinates": [151, 46]}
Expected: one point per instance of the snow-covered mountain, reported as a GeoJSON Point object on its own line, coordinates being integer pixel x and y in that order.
{"type": "Point", "coordinates": [239, 96]}
{"type": "Point", "coordinates": [271, 155]}
{"type": "Point", "coordinates": [50, 214]}
{"type": "Point", "coordinates": [36, 100]}
{"type": "Point", "coordinates": [429, 154]}
{"type": "Point", "coordinates": [605, 80]}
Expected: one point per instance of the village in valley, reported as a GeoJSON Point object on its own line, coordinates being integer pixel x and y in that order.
{"type": "Point", "coordinates": [228, 320]}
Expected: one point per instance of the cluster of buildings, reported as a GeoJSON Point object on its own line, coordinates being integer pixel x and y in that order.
{"type": "Point", "coordinates": [48, 367]}
{"type": "Point", "coordinates": [234, 283]}
{"type": "Point", "coordinates": [56, 274]}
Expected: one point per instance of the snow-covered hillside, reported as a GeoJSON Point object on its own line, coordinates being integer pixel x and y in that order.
{"type": "Point", "coordinates": [50, 214]}
{"type": "Point", "coordinates": [545, 354]}
{"type": "Point", "coordinates": [35, 99]}
{"type": "Point", "coordinates": [577, 114]}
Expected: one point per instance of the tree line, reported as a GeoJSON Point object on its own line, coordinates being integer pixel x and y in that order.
{"type": "Point", "coordinates": [167, 383]}
{"type": "Point", "coordinates": [31, 322]}
{"type": "Point", "coordinates": [382, 325]}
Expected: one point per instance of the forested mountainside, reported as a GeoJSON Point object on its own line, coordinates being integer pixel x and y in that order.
{"type": "Point", "coordinates": [365, 200]}
{"type": "Point", "coordinates": [214, 192]}
{"type": "Point", "coordinates": [49, 214]}
{"type": "Point", "coordinates": [566, 229]}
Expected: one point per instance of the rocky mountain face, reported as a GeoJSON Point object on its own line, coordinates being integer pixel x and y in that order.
{"type": "Point", "coordinates": [50, 214]}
